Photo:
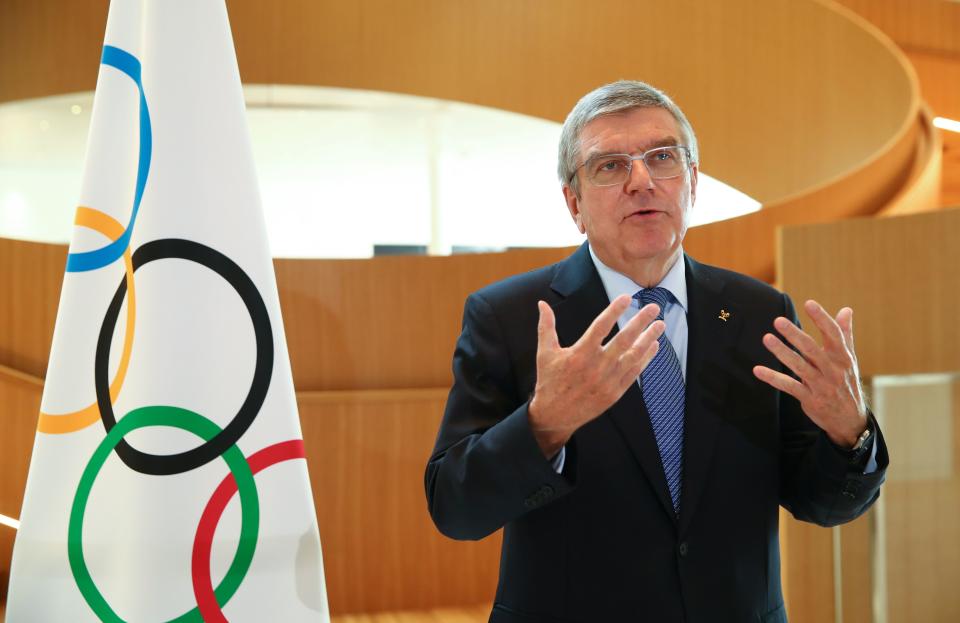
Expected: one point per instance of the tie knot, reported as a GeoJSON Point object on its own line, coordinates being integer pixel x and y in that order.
{"type": "Point", "coordinates": [660, 296]}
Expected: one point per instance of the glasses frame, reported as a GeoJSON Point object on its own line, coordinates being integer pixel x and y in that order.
{"type": "Point", "coordinates": [641, 157]}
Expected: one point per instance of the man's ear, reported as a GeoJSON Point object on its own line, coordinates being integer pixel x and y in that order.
{"type": "Point", "coordinates": [693, 184]}
{"type": "Point", "coordinates": [573, 204]}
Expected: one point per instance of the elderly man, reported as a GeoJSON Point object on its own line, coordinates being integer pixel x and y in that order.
{"type": "Point", "coordinates": [633, 419]}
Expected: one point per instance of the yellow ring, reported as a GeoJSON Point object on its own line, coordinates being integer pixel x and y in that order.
{"type": "Point", "coordinates": [56, 424]}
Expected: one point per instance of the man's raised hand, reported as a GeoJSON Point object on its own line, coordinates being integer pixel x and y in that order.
{"type": "Point", "coordinates": [578, 383]}
{"type": "Point", "coordinates": [829, 388]}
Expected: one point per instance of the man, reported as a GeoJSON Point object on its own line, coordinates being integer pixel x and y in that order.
{"type": "Point", "coordinates": [638, 477]}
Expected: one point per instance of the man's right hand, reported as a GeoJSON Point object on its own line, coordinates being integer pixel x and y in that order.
{"type": "Point", "coordinates": [578, 383]}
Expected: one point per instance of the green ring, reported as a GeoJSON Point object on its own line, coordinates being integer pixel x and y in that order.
{"type": "Point", "coordinates": [195, 423]}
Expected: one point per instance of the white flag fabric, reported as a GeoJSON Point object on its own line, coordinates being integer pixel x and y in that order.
{"type": "Point", "coordinates": [168, 480]}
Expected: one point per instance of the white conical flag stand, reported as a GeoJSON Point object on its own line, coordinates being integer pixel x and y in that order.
{"type": "Point", "coordinates": [168, 480]}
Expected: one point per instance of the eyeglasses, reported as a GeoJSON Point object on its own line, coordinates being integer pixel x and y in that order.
{"type": "Point", "coordinates": [611, 169]}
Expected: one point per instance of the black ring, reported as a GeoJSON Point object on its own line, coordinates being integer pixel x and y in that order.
{"type": "Point", "coordinates": [166, 464]}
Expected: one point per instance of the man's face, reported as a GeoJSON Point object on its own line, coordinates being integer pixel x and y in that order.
{"type": "Point", "coordinates": [643, 219]}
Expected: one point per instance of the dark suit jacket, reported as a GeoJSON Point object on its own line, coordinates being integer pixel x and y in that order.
{"type": "Point", "coordinates": [600, 542]}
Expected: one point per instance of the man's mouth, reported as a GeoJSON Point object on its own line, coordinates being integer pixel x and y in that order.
{"type": "Point", "coordinates": [643, 213]}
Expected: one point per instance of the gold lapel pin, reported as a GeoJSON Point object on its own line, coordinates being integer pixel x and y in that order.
{"type": "Point", "coordinates": [724, 315]}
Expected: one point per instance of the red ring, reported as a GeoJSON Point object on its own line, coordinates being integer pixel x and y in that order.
{"type": "Point", "coordinates": [203, 541]}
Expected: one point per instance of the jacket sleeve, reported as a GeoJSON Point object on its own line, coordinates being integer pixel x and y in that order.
{"type": "Point", "coordinates": [486, 468]}
{"type": "Point", "coordinates": [820, 482]}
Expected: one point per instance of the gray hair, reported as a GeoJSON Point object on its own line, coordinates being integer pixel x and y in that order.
{"type": "Point", "coordinates": [606, 100]}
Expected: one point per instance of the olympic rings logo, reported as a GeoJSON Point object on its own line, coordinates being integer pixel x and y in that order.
{"type": "Point", "coordinates": [215, 441]}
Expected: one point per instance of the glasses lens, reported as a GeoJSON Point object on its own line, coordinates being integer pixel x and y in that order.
{"type": "Point", "coordinates": [608, 170]}
{"type": "Point", "coordinates": [661, 163]}
{"type": "Point", "coordinates": [665, 162]}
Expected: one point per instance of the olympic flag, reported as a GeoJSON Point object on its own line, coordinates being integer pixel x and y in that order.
{"type": "Point", "coordinates": [168, 480]}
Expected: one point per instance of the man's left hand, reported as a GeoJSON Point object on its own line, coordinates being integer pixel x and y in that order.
{"type": "Point", "coordinates": [828, 388]}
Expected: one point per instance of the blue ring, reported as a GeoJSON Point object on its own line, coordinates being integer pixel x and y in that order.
{"type": "Point", "coordinates": [91, 260]}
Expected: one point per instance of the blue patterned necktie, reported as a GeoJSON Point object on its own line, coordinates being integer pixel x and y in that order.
{"type": "Point", "coordinates": [663, 393]}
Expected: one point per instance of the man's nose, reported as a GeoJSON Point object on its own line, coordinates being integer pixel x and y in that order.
{"type": "Point", "coordinates": [638, 178]}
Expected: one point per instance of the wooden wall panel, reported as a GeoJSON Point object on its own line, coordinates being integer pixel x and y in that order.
{"type": "Point", "coordinates": [809, 570]}
{"type": "Point", "coordinates": [898, 276]}
{"type": "Point", "coordinates": [49, 47]}
{"type": "Point", "coordinates": [30, 278]}
{"type": "Point", "coordinates": [20, 400]}
{"type": "Point", "coordinates": [856, 571]}
{"type": "Point", "coordinates": [366, 453]}
{"type": "Point", "coordinates": [827, 88]}
{"type": "Point", "coordinates": [387, 322]}
{"type": "Point", "coordinates": [439, 615]}
{"type": "Point", "coordinates": [806, 570]}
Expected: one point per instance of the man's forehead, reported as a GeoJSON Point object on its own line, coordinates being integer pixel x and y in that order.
{"type": "Point", "coordinates": [636, 129]}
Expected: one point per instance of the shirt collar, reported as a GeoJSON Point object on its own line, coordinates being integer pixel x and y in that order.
{"type": "Point", "coordinates": [616, 283]}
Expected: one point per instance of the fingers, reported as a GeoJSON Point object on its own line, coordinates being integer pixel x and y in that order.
{"type": "Point", "coordinates": [845, 320]}
{"type": "Point", "coordinates": [788, 357]}
{"type": "Point", "coordinates": [546, 329]}
{"type": "Point", "coordinates": [800, 340]}
{"type": "Point", "coordinates": [641, 352]}
{"type": "Point", "coordinates": [828, 327]}
{"type": "Point", "coordinates": [601, 325]}
{"type": "Point", "coordinates": [781, 381]}
{"type": "Point", "coordinates": [631, 332]}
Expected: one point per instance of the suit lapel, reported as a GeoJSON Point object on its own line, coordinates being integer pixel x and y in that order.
{"type": "Point", "coordinates": [583, 296]}
{"type": "Point", "coordinates": [579, 283]}
{"type": "Point", "coordinates": [630, 416]}
{"type": "Point", "coordinates": [714, 324]}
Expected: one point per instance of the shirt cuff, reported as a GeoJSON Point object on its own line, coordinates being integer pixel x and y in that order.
{"type": "Point", "coordinates": [558, 460]}
{"type": "Point", "coordinates": [872, 461]}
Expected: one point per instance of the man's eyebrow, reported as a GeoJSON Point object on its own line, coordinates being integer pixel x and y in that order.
{"type": "Point", "coordinates": [667, 141]}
